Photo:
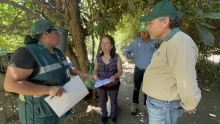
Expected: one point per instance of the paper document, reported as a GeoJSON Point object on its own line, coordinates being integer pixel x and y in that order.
{"type": "Point", "coordinates": [76, 91]}
{"type": "Point", "coordinates": [100, 83]}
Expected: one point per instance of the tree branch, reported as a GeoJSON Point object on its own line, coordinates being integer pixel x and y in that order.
{"type": "Point", "coordinates": [43, 5]}
{"type": "Point", "coordinates": [72, 56]}
{"type": "Point", "coordinates": [14, 4]}
{"type": "Point", "coordinates": [106, 7]}
{"type": "Point", "coordinates": [15, 19]}
{"type": "Point", "coordinates": [48, 7]}
{"type": "Point", "coordinates": [9, 29]}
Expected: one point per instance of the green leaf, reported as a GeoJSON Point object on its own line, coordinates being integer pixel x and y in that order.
{"type": "Point", "coordinates": [205, 24]}
{"type": "Point", "coordinates": [180, 14]}
{"type": "Point", "coordinates": [110, 19]}
{"type": "Point", "coordinates": [205, 35]}
{"type": "Point", "coordinates": [186, 7]}
{"type": "Point", "coordinates": [199, 13]}
{"type": "Point", "coordinates": [212, 15]}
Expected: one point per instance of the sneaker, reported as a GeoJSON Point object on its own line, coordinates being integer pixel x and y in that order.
{"type": "Point", "coordinates": [104, 120]}
{"type": "Point", "coordinates": [134, 108]}
{"type": "Point", "coordinates": [114, 120]}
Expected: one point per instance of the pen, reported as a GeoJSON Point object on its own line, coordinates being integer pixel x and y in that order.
{"type": "Point", "coordinates": [53, 96]}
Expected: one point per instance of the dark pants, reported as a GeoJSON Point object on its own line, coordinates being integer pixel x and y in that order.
{"type": "Point", "coordinates": [138, 78]}
{"type": "Point", "coordinates": [103, 100]}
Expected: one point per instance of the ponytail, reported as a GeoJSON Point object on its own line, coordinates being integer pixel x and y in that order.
{"type": "Point", "coordinates": [31, 40]}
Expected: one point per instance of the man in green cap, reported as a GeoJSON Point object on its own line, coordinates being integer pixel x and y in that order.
{"type": "Point", "coordinates": [142, 51]}
{"type": "Point", "coordinates": [170, 80]}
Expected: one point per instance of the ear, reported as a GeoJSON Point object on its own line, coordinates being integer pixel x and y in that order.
{"type": "Point", "coordinates": [166, 22]}
{"type": "Point", "coordinates": [46, 34]}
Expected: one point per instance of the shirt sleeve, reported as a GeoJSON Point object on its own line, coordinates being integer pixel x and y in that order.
{"type": "Point", "coordinates": [22, 58]}
{"type": "Point", "coordinates": [129, 50]}
{"type": "Point", "coordinates": [182, 61]}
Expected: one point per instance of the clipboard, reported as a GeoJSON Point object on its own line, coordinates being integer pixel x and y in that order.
{"type": "Point", "coordinates": [76, 91]}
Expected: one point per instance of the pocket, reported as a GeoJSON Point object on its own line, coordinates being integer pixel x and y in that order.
{"type": "Point", "coordinates": [176, 112]}
{"type": "Point", "coordinates": [43, 109]}
{"type": "Point", "coordinates": [156, 112]}
{"type": "Point", "coordinates": [154, 104]}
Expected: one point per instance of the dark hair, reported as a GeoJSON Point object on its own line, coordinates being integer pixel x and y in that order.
{"type": "Point", "coordinates": [174, 22]}
{"type": "Point", "coordinates": [31, 40]}
{"type": "Point", "coordinates": [112, 42]}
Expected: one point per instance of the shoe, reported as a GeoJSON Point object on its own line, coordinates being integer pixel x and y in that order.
{"type": "Point", "coordinates": [114, 120]}
{"type": "Point", "coordinates": [134, 108]}
{"type": "Point", "coordinates": [104, 120]}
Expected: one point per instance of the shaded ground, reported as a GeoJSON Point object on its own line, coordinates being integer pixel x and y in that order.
{"type": "Point", "coordinates": [87, 111]}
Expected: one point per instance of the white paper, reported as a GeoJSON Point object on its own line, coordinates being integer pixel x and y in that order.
{"type": "Point", "coordinates": [76, 91]}
{"type": "Point", "coordinates": [100, 83]}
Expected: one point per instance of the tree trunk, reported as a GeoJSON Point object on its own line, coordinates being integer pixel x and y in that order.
{"type": "Point", "coordinates": [100, 41]}
{"type": "Point", "coordinates": [76, 31]}
{"type": "Point", "coordinates": [72, 56]}
{"type": "Point", "coordinates": [93, 47]}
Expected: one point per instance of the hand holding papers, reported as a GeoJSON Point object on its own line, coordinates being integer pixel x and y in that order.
{"type": "Point", "coordinates": [76, 91]}
{"type": "Point", "coordinates": [100, 83]}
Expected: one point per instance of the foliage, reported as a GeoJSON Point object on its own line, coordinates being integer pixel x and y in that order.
{"type": "Point", "coordinates": [14, 24]}
{"type": "Point", "coordinates": [3, 52]}
{"type": "Point", "coordinates": [208, 72]}
{"type": "Point", "coordinates": [200, 19]}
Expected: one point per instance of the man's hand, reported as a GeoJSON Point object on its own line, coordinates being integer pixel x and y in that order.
{"type": "Point", "coordinates": [112, 78]}
{"type": "Point", "coordinates": [56, 91]}
{"type": "Point", "coordinates": [190, 111]}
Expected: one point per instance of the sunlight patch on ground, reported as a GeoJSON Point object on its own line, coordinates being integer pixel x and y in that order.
{"type": "Point", "coordinates": [93, 108]}
{"type": "Point", "coordinates": [206, 89]}
{"type": "Point", "coordinates": [141, 115]}
{"type": "Point", "coordinates": [212, 115]}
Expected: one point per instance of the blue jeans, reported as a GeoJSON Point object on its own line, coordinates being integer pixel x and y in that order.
{"type": "Point", "coordinates": [163, 112]}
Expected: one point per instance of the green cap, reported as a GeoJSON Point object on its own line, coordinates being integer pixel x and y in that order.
{"type": "Point", "coordinates": [40, 26]}
{"type": "Point", "coordinates": [143, 27]}
{"type": "Point", "coordinates": [161, 9]}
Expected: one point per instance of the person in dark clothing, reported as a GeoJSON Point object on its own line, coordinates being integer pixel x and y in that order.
{"type": "Point", "coordinates": [36, 71]}
{"type": "Point", "coordinates": [108, 65]}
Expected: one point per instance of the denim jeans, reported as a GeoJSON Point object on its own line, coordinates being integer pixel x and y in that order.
{"type": "Point", "coordinates": [138, 78]}
{"type": "Point", "coordinates": [163, 112]}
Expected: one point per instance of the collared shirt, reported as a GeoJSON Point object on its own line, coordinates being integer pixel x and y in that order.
{"type": "Point", "coordinates": [142, 52]}
{"type": "Point", "coordinates": [171, 74]}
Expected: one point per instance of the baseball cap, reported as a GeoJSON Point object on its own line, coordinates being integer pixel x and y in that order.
{"type": "Point", "coordinates": [40, 26]}
{"type": "Point", "coordinates": [161, 9]}
{"type": "Point", "coordinates": [143, 27]}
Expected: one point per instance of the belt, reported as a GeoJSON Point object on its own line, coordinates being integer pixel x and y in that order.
{"type": "Point", "coordinates": [140, 69]}
{"type": "Point", "coordinates": [174, 101]}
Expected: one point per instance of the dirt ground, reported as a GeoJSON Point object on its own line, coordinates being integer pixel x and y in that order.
{"type": "Point", "coordinates": [87, 111]}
